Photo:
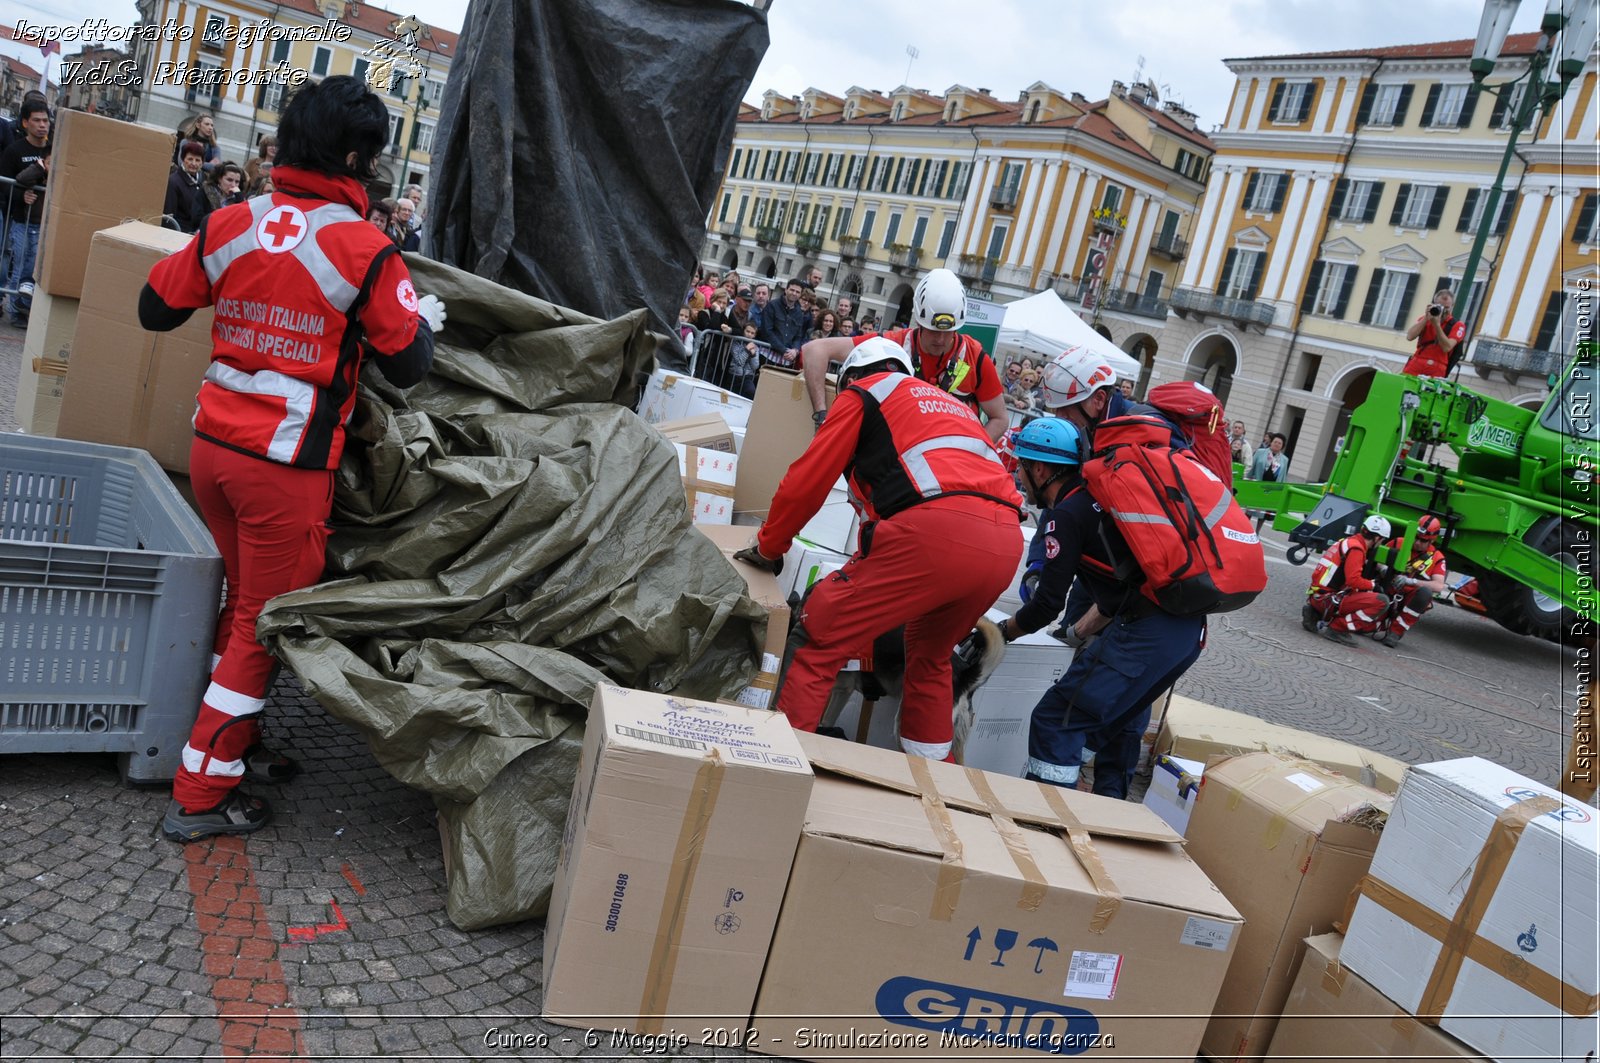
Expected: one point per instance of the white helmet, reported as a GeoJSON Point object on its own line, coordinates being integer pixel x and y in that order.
{"type": "Point", "coordinates": [940, 302]}
{"type": "Point", "coordinates": [876, 355]}
{"type": "Point", "coordinates": [1074, 375]}
{"type": "Point", "coordinates": [1376, 525]}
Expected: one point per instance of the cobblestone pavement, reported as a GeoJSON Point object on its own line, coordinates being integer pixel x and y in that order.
{"type": "Point", "coordinates": [324, 936]}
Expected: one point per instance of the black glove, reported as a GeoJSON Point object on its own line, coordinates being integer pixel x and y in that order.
{"type": "Point", "coordinates": [817, 418]}
{"type": "Point", "coordinates": [751, 556]}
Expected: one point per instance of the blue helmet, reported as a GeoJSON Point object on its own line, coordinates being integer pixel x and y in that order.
{"type": "Point", "coordinates": [1049, 439]}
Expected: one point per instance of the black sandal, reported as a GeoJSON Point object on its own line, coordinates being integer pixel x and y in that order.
{"type": "Point", "coordinates": [261, 765]}
{"type": "Point", "coordinates": [239, 813]}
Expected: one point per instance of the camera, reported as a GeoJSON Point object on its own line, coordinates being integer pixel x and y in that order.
{"type": "Point", "coordinates": [1434, 310]}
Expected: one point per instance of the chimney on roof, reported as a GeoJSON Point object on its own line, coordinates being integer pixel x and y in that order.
{"type": "Point", "coordinates": [1118, 89]}
{"type": "Point", "coordinates": [333, 9]}
{"type": "Point", "coordinates": [983, 91]}
{"type": "Point", "coordinates": [1140, 93]}
{"type": "Point", "coordinates": [1180, 114]}
{"type": "Point", "coordinates": [1079, 97]}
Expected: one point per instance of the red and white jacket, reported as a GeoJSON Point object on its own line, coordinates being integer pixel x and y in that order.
{"type": "Point", "coordinates": [299, 281]}
{"type": "Point", "coordinates": [901, 441]}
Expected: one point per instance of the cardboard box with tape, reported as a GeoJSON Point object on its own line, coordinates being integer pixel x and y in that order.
{"type": "Point", "coordinates": [1174, 786]}
{"type": "Point", "coordinates": [126, 386]}
{"type": "Point", "coordinates": [1286, 841]}
{"type": "Point", "coordinates": [1333, 1015]}
{"type": "Point", "coordinates": [102, 173]}
{"type": "Point", "coordinates": [707, 483]}
{"type": "Point", "coordinates": [672, 396]}
{"type": "Point", "coordinates": [1197, 731]}
{"type": "Point", "coordinates": [46, 349]}
{"type": "Point", "coordinates": [1479, 914]}
{"type": "Point", "coordinates": [764, 588]}
{"type": "Point", "coordinates": [940, 912]}
{"type": "Point", "coordinates": [678, 845]}
{"type": "Point", "coordinates": [708, 431]}
{"type": "Point", "coordinates": [779, 431]}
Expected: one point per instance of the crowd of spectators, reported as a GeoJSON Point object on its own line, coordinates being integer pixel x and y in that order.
{"type": "Point", "coordinates": [202, 181]}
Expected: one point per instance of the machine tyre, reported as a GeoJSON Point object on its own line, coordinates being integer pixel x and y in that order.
{"type": "Point", "coordinates": [1518, 608]}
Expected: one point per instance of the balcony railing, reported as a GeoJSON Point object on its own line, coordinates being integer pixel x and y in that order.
{"type": "Point", "coordinates": [1137, 303]}
{"type": "Point", "coordinates": [1003, 197]}
{"type": "Point", "coordinates": [1186, 301]}
{"type": "Point", "coordinates": [854, 249]}
{"type": "Point", "coordinates": [809, 242]}
{"type": "Point", "coordinates": [1015, 276]}
{"type": "Point", "coordinates": [1170, 246]}
{"type": "Point", "coordinates": [769, 235]}
{"type": "Point", "coordinates": [1514, 358]}
{"type": "Point", "coordinates": [977, 268]}
{"type": "Point", "coordinates": [903, 259]}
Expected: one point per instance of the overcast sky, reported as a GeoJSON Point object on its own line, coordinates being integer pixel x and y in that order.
{"type": "Point", "coordinates": [1005, 45]}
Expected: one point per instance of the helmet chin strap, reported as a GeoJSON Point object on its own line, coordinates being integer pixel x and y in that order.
{"type": "Point", "coordinates": [1039, 490]}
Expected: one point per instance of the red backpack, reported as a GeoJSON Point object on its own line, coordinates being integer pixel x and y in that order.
{"type": "Point", "coordinates": [1197, 550]}
{"type": "Point", "coordinates": [1198, 413]}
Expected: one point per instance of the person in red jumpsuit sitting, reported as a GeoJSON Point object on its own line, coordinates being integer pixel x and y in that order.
{"type": "Point", "coordinates": [1344, 596]}
{"type": "Point", "coordinates": [1424, 576]}
{"type": "Point", "coordinates": [303, 290]}
{"type": "Point", "coordinates": [940, 539]}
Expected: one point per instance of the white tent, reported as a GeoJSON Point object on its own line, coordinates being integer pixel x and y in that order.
{"type": "Point", "coordinates": [1043, 326]}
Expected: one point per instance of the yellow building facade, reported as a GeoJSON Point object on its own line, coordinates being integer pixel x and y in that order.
{"type": "Point", "coordinates": [240, 60]}
{"type": "Point", "coordinates": [1091, 198]}
{"type": "Point", "coordinates": [1347, 188]}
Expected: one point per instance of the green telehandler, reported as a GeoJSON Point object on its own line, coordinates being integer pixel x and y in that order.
{"type": "Point", "coordinates": [1521, 507]}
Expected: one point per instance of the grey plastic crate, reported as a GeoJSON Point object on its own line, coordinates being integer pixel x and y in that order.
{"type": "Point", "coordinates": [109, 591]}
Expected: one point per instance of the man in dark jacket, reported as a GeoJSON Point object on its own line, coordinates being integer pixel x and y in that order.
{"type": "Point", "coordinates": [783, 323]}
{"type": "Point", "coordinates": [31, 149]}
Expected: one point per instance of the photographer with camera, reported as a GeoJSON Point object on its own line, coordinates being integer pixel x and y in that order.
{"type": "Point", "coordinates": [1437, 335]}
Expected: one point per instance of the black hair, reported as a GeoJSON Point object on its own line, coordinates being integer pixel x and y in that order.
{"type": "Point", "coordinates": [31, 107]}
{"type": "Point", "coordinates": [325, 121]}
{"type": "Point", "coordinates": [1280, 435]}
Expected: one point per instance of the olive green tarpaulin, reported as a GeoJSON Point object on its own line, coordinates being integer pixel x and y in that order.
{"type": "Point", "coordinates": [507, 534]}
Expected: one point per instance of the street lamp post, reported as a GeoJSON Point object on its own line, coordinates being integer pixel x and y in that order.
{"type": "Point", "coordinates": [1574, 21]}
{"type": "Point", "coordinates": [419, 106]}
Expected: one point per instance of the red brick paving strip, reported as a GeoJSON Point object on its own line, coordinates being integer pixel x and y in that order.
{"type": "Point", "coordinates": [240, 954]}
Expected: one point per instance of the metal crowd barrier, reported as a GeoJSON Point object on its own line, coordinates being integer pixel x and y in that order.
{"type": "Point", "coordinates": [8, 190]}
{"type": "Point", "coordinates": [731, 362]}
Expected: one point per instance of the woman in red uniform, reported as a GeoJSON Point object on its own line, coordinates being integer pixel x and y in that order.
{"type": "Point", "coordinates": [303, 288]}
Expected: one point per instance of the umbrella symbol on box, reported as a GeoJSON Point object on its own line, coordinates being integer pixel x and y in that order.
{"type": "Point", "coordinates": [1043, 945]}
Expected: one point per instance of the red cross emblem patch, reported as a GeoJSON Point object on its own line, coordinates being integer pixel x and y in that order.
{"type": "Point", "coordinates": [281, 229]}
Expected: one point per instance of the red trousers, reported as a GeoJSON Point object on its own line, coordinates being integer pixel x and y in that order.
{"type": "Point", "coordinates": [269, 522]}
{"type": "Point", "coordinates": [1356, 611]}
{"type": "Point", "coordinates": [934, 568]}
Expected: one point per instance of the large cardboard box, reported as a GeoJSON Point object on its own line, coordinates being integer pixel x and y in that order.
{"type": "Point", "coordinates": [779, 430]}
{"type": "Point", "coordinates": [708, 431]}
{"type": "Point", "coordinates": [1197, 731]}
{"type": "Point", "coordinates": [1333, 1015]}
{"type": "Point", "coordinates": [763, 587]}
{"type": "Point", "coordinates": [42, 373]}
{"type": "Point", "coordinates": [672, 396]}
{"type": "Point", "coordinates": [678, 844]}
{"type": "Point", "coordinates": [1480, 912]}
{"type": "Point", "coordinates": [1286, 841]}
{"type": "Point", "coordinates": [102, 173]}
{"type": "Point", "coordinates": [126, 386]}
{"type": "Point", "coordinates": [937, 912]}
{"type": "Point", "coordinates": [708, 477]}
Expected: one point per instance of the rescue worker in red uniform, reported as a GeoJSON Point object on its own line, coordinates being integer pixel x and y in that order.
{"type": "Point", "coordinates": [1423, 577]}
{"type": "Point", "coordinates": [942, 355]}
{"type": "Point", "coordinates": [1344, 595]}
{"type": "Point", "coordinates": [303, 288]}
{"type": "Point", "coordinates": [1437, 335]}
{"type": "Point", "coordinates": [940, 539]}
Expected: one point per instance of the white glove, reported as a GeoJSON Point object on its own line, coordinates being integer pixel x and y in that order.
{"type": "Point", "coordinates": [431, 310]}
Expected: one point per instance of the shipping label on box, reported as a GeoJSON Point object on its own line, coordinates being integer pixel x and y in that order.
{"type": "Point", "coordinates": [1334, 1016]}
{"type": "Point", "coordinates": [941, 912]}
{"type": "Point", "coordinates": [679, 840]}
{"type": "Point", "coordinates": [1480, 911]}
{"type": "Point", "coordinates": [102, 172]}
{"type": "Point", "coordinates": [1286, 841]}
